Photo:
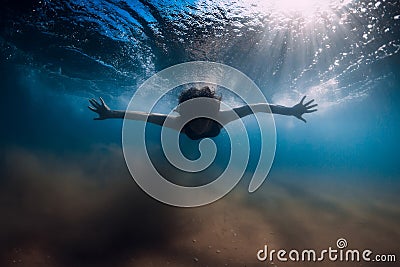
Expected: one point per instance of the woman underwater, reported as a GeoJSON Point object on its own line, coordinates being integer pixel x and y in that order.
{"type": "Point", "coordinates": [202, 127]}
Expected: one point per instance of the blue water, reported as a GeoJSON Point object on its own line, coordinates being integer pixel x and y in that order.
{"type": "Point", "coordinates": [55, 55]}
{"type": "Point", "coordinates": [346, 57]}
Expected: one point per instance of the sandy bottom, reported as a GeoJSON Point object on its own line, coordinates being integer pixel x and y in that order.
{"type": "Point", "coordinates": [283, 216]}
{"type": "Point", "coordinates": [288, 212]}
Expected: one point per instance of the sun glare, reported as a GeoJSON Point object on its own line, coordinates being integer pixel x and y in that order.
{"type": "Point", "coordinates": [308, 47]}
{"type": "Point", "coordinates": [303, 8]}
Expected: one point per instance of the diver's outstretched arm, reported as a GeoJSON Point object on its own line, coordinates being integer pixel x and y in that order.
{"type": "Point", "coordinates": [105, 112]}
{"type": "Point", "coordinates": [297, 110]}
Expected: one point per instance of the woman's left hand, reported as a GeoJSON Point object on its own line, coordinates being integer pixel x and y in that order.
{"type": "Point", "coordinates": [299, 109]}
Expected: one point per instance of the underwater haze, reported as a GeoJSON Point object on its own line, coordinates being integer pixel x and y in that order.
{"type": "Point", "coordinates": [66, 195]}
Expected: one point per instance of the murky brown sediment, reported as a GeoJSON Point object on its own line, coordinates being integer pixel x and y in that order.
{"type": "Point", "coordinates": [57, 214]}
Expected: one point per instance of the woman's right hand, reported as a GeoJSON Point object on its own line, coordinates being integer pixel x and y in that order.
{"type": "Point", "coordinates": [100, 108]}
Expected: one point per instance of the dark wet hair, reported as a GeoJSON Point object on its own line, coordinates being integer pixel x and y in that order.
{"type": "Point", "coordinates": [194, 92]}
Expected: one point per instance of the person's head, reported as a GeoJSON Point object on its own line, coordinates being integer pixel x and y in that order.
{"type": "Point", "coordinates": [199, 125]}
{"type": "Point", "coordinates": [205, 91]}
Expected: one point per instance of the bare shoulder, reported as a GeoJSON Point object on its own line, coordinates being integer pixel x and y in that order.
{"type": "Point", "coordinates": [173, 121]}
{"type": "Point", "coordinates": [226, 116]}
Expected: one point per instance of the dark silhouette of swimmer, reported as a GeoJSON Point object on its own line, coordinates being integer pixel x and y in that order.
{"type": "Point", "coordinates": [199, 128]}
